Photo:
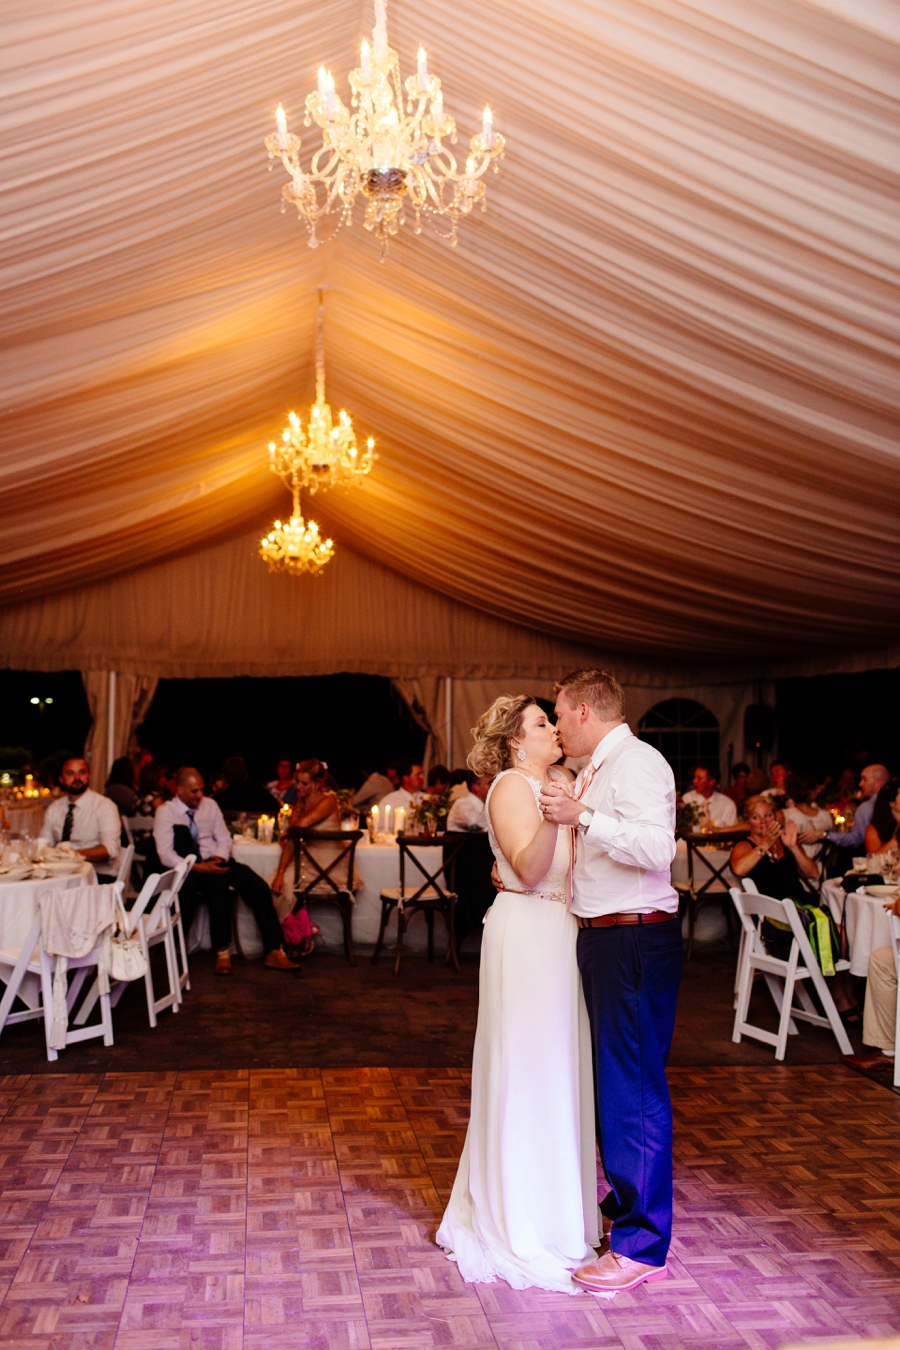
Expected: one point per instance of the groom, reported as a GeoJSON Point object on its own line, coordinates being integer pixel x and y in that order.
{"type": "Point", "coordinates": [622, 811]}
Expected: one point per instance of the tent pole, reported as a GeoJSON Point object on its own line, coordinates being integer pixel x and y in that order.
{"type": "Point", "coordinates": [448, 717]}
{"type": "Point", "coordinates": [110, 722]}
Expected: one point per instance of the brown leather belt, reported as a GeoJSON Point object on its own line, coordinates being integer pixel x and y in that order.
{"type": "Point", "coordinates": [611, 920]}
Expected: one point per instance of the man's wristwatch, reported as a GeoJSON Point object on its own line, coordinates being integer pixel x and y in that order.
{"type": "Point", "coordinates": [586, 817]}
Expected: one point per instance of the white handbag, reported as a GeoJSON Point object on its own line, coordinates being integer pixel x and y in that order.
{"type": "Point", "coordinates": [126, 960]}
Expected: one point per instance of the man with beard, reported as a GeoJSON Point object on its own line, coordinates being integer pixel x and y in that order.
{"type": "Point", "coordinates": [83, 818]}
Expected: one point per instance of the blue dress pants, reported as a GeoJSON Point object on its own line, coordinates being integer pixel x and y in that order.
{"type": "Point", "coordinates": [631, 974]}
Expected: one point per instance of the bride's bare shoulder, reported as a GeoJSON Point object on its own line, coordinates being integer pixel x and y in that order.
{"type": "Point", "coordinates": [511, 789]}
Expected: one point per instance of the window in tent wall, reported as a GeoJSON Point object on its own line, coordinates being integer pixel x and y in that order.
{"type": "Point", "coordinates": [683, 731]}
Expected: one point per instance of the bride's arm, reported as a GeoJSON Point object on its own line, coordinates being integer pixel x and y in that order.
{"type": "Point", "coordinates": [527, 845]}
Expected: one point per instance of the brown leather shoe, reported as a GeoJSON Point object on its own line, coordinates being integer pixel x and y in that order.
{"type": "Point", "coordinates": [223, 963]}
{"type": "Point", "coordinates": [279, 960]}
{"type": "Point", "coordinates": [612, 1274]}
{"type": "Point", "coordinates": [874, 1060]}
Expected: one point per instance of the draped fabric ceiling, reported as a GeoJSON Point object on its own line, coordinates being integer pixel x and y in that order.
{"type": "Point", "coordinates": [649, 404]}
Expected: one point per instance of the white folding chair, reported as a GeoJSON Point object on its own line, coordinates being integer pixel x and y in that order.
{"type": "Point", "coordinates": [154, 919]}
{"type": "Point", "coordinates": [126, 858]}
{"type": "Point", "coordinates": [752, 909]}
{"type": "Point", "coordinates": [81, 965]}
{"type": "Point", "coordinates": [20, 968]}
{"type": "Point", "coordinates": [895, 943]}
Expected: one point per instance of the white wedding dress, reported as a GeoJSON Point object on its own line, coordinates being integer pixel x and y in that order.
{"type": "Point", "coordinates": [524, 1202]}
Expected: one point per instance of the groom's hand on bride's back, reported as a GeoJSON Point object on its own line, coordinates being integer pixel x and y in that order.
{"type": "Point", "coordinates": [496, 879]}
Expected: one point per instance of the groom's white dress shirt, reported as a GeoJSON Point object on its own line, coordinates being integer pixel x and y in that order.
{"type": "Point", "coordinates": [623, 857]}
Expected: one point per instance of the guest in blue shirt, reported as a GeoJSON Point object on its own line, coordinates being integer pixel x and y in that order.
{"type": "Point", "coordinates": [871, 781]}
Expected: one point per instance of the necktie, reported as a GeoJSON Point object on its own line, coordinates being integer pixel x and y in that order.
{"type": "Point", "coordinates": [67, 825]}
{"type": "Point", "coordinates": [192, 826]}
{"type": "Point", "coordinates": [586, 776]}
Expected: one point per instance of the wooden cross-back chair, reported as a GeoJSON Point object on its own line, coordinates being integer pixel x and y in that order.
{"type": "Point", "coordinates": [332, 879]}
{"type": "Point", "coordinates": [428, 894]}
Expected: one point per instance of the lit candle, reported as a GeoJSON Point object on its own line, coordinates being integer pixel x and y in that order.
{"type": "Point", "coordinates": [365, 60]}
{"type": "Point", "coordinates": [272, 448]}
{"type": "Point", "coordinates": [487, 128]}
{"type": "Point", "coordinates": [421, 66]}
{"type": "Point", "coordinates": [388, 812]}
{"type": "Point", "coordinates": [375, 815]}
{"type": "Point", "coordinates": [437, 108]}
{"type": "Point", "coordinates": [321, 81]}
{"type": "Point", "coordinates": [329, 95]}
{"type": "Point", "coordinates": [399, 820]}
{"type": "Point", "coordinates": [281, 121]}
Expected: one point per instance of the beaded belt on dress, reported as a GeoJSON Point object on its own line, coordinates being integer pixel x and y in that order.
{"type": "Point", "coordinates": [559, 898]}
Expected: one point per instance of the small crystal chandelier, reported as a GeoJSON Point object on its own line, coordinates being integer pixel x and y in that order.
{"type": "Point", "coordinates": [390, 155]}
{"type": "Point", "coordinates": [296, 547]}
{"type": "Point", "coordinates": [324, 455]}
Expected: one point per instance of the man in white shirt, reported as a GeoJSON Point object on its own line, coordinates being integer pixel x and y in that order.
{"type": "Point", "coordinates": [83, 818]}
{"type": "Point", "coordinates": [719, 809]}
{"type": "Point", "coordinates": [192, 823]}
{"type": "Point", "coordinates": [468, 812]}
{"type": "Point", "coordinates": [622, 812]}
{"type": "Point", "coordinates": [412, 780]}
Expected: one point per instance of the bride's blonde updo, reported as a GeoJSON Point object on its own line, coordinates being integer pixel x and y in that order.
{"type": "Point", "coordinates": [491, 753]}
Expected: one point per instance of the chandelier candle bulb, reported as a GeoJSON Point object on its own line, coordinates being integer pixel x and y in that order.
{"type": "Point", "coordinates": [281, 122]}
{"type": "Point", "coordinates": [487, 128]}
{"type": "Point", "coordinates": [437, 108]}
{"type": "Point", "coordinates": [329, 95]}
{"type": "Point", "coordinates": [365, 60]}
{"type": "Point", "coordinates": [321, 82]}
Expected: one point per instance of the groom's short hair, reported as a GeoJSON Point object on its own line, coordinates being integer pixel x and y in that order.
{"type": "Point", "coordinates": [598, 689]}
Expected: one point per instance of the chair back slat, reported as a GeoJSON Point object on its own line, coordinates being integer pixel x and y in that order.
{"type": "Point", "coordinates": [440, 879]}
{"type": "Point", "coordinates": [323, 882]}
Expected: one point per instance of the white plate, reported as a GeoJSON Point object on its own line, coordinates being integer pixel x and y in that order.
{"type": "Point", "coordinates": [883, 892]}
{"type": "Point", "coordinates": [16, 874]}
{"type": "Point", "coordinates": [60, 869]}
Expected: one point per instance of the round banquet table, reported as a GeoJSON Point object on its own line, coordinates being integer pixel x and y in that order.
{"type": "Point", "coordinates": [379, 867]}
{"type": "Point", "coordinates": [868, 922]}
{"type": "Point", "coordinates": [18, 905]}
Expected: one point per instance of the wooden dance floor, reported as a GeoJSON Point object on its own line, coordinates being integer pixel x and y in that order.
{"type": "Point", "coordinates": [295, 1208]}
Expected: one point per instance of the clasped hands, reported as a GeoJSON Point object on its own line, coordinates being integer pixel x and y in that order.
{"type": "Point", "coordinates": [558, 803]}
{"type": "Point", "coordinates": [217, 865]}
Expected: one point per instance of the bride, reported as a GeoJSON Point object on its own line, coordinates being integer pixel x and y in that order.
{"type": "Point", "coordinates": [524, 1203]}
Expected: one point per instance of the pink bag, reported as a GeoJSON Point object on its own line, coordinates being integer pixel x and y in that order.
{"type": "Point", "coordinates": [297, 928]}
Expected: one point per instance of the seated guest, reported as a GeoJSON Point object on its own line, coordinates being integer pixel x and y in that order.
{"type": "Point", "coordinates": [83, 818]}
{"type": "Point", "coordinates": [738, 790]}
{"type": "Point", "coordinates": [719, 809]}
{"type": "Point", "coordinates": [757, 783]}
{"type": "Point", "coordinates": [120, 786]}
{"type": "Point", "coordinates": [152, 789]}
{"type": "Point", "coordinates": [883, 830]}
{"type": "Point", "coordinates": [438, 780]}
{"type": "Point", "coordinates": [777, 789]}
{"type": "Point", "coordinates": [376, 786]}
{"type": "Point", "coordinates": [880, 1009]}
{"type": "Point", "coordinates": [193, 823]}
{"type": "Point", "coordinates": [872, 779]}
{"type": "Point", "coordinates": [468, 813]}
{"type": "Point", "coordinates": [284, 779]}
{"type": "Point", "coordinates": [461, 781]}
{"type": "Point", "coordinates": [411, 783]}
{"type": "Point", "coordinates": [805, 812]}
{"type": "Point", "coordinates": [772, 854]}
{"type": "Point", "coordinates": [316, 808]}
{"type": "Point", "coordinates": [239, 794]}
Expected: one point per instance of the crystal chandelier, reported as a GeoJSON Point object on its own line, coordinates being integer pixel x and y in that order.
{"type": "Point", "coordinates": [322, 456]}
{"type": "Point", "coordinates": [393, 151]}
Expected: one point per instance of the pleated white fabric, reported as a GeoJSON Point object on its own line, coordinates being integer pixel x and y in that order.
{"type": "Point", "coordinates": [524, 1203]}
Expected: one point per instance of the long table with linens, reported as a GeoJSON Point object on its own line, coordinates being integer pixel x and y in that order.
{"type": "Point", "coordinates": [19, 902]}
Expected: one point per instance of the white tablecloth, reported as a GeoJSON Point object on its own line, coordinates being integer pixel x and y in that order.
{"type": "Point", "coordinates": [868, 922]}
{"type": "Point", "coordinates": [379, 867]}
{"type": "Point", "coordinates": [25, 818]}
{"type": "Point", "coordinates": [711, 922]}
{"type": "Point", "coordinates": [18, 906]}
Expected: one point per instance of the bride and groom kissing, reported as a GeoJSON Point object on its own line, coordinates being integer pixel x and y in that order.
{"type": "Point", "coordinates": [580, 967]}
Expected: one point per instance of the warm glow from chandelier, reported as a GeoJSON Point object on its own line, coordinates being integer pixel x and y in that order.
{"type": "Point", "coordinates": [296, 546]}
{"type": "Point", "coordinates": [322, 456]}
{"type": "Point", "coordinates": [391, 150]}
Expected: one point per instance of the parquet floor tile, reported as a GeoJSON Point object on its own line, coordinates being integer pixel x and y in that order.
{"type": "Point", "coordinates": [276, 1208]}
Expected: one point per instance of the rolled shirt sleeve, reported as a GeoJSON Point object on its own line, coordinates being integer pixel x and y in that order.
{"type": "Point", "coordinates": [109, 826]}
{"type": "Point", "coordinates": [856, 836]}
{"type": "Point", "coordinates": [641, 834]}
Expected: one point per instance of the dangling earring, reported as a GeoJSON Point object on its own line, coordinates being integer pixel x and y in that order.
{"type": "Point", "coordinates": [520, 754]}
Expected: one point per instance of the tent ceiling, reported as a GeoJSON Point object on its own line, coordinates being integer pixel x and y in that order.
{"type": "Point", "coordinates": [650, 401]}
